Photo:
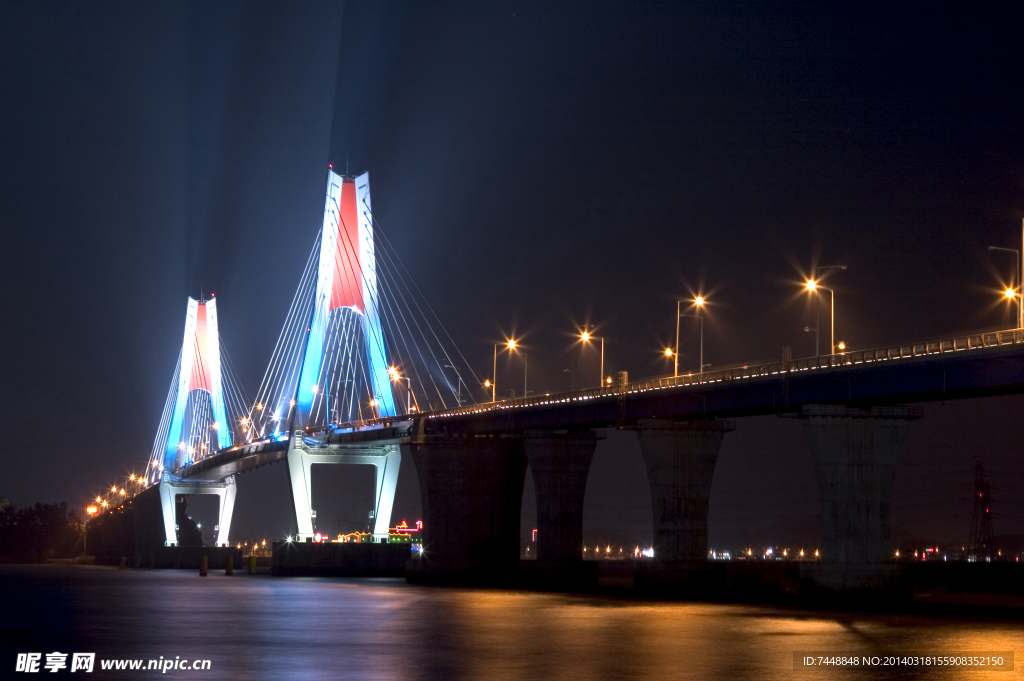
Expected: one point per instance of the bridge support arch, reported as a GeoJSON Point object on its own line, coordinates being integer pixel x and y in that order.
{"type": "Point", "coordinates": [386, 458]}
{"type": "Point", "coordinates": [560, 464]}
{"type": "Point", "coordinates": [471, 490]}
{"type": "Point", "coordinates": [225, 489]}
{"type": "Point", "coordinates": [680, 458]}
{"type": "Point", "coordinates": [856, 453]}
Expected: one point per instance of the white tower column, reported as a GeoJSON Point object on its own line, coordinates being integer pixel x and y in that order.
{"type": "Point", "coordinates": [225, 489]}
{"type": "Point", "coordinates": [386, 459]}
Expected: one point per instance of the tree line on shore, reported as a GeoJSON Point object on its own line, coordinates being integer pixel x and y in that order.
{"type": "Point", "coordinates": [35, 533]}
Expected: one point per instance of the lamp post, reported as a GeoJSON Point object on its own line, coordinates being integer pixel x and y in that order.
{"type": "Point", "coordinates": [813, 286]}
{"type": "Point", "coordinates": [514, 347]}
{"type": "Point", "coordinates": [1014, 292]}
{"type": "Point", "coordinates": [586, 337]}
{"type": "Point", "coordinates": [699, 303]}
{"type": "Point", "coordinates": [511, 345]}
{"type": "Point", "coordinates": [395, 376]}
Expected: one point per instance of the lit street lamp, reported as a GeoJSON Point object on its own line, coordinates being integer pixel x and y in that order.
{"type": "Point", "coordinates": [395, 376]}
{"type": "Point", "coordinates": [586, 337]}
{"type": "Point", "coordinates": [699, 303]}
{"type": "Point", "coordinates": [1012, 292]}
{"type": "Point", "coordinates": [812, 285]}
{"type": "Point", "coordinates": [514, 347]}
{"type": "Point", "coordinates": [511, 345]}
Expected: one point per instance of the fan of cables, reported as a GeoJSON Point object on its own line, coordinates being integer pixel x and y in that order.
{"type": "Point", "coordinates": [201, 435]}
{"type": "Point", "coordinates": [425, 369]}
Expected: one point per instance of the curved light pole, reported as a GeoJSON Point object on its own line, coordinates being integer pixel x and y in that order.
{"type": "Point", "coordinates": [1013, 292]}
{"type": "Point", "coordinates": [812, 285]}
{"type": "Point", "coordinates": [514, 347]}
{"type": "Point", "coordinates": [395, 376]}
{"type": "Point", "coordinates": [511, 345]}
{"type": "Point", "coordinates": [586, 337]}
{"type": "Point", "coordinates": [699, 302]}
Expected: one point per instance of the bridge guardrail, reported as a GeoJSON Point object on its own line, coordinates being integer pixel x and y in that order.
{"type": "Point", "coordinates": [905, 351]}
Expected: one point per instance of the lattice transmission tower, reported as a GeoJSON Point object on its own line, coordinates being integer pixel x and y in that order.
{"type": "Point", "coordinates": [982, 544]}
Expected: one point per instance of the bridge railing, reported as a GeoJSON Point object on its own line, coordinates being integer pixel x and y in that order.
{"type": "Point", "coordinates": [905, 351]}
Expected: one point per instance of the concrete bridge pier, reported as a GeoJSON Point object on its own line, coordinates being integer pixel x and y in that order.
{"type": "Point", "coordinates": [560, 464]}
{"type": "Point", "coordinates": [471, 490]}
{"type": "Point", "coordinates": [385, 458]}
{"type": "Point", "coordinates": [856, 453]}
{"type": "Point", "coordinates": [170, 488]}
{"type": "Point", "coordinates": [680, 458]}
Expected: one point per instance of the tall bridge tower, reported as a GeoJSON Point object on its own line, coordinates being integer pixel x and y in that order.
{"type": "Point", "coordinates": [344, 375]}
{"type": "Point", "coordinates": [197, 425]}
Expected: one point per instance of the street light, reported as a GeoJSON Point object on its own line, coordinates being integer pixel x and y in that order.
{"type": "Point", "coordinates": [511, 345]}
{"type": "Point", "coordinates": [1011, 292]}
{"type": "Point", "coordinates": [586, 337]}
{"type": "Point", "coordinates": [699, 303]}
{"type": "Point", "coordinates": [395, 376]}
{"type": "Point", "coordinates": [812, 286]}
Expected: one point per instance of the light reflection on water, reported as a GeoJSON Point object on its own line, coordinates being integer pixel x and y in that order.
{"type": "Point", "coordinates": [298, 628]}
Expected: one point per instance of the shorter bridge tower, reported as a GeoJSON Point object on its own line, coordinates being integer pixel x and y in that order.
{"type": "Point", "coordinates": [194, 425]}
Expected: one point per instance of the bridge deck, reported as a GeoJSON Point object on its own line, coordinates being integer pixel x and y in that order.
{"type": "Point", "coordinates": [968, 366]}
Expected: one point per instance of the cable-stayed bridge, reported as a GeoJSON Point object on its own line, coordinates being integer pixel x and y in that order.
{"type": "Point", "coordinates": [358, 345]}
{"type": "Point", "coordinates": [363, 373]}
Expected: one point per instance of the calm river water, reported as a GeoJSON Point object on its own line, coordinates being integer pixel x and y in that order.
{"type": "Point", "coordinates": [262, 627]}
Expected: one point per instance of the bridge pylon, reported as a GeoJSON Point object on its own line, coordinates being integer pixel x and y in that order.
{"type": "Point", "coordinates": [196, 425]}
{"type": "Point", "coordinates": [344, 374]}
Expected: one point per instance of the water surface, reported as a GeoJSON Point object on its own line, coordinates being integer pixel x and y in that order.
{"type": "Point", "coordinates": [261, 627]}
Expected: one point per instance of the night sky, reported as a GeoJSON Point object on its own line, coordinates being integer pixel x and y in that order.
{"type": "Point", "coordinates": [538, 167]}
